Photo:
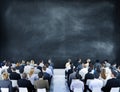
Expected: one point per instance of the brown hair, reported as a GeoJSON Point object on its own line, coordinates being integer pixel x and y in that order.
{"type": "Point", "coordinates": [5, 75]}
{"type": "Point", "coordinates": [103, 73]}
{"type": "Point", "coordinates": [31, 71]}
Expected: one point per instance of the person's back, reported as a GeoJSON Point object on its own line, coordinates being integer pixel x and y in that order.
{"type": "Point", "coordinates": [14, 75]}
{"type": "Point", "coordinates": [77, 83]}
{"type": "Point", "coordinates": [6, 83]}
{"type": "Point", "coordinates": [24, 82]}
{"type": "Point", "coordinates": [41, 83]}
{"type": "Point", "coordinates": [113, 82]}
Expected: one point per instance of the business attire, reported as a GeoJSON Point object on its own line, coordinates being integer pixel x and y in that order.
{"type": "Point", "coordinates": [41, 83]}
{"type": "Point", "coordinates": [14, 76]}
{"type": "Point", "coordinates": [26, 83]}
{"type": "Point", "coordinates": [111, 83]}
{"type": "Point", "coordinates": [6, 84]}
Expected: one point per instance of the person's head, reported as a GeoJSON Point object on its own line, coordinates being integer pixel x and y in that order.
{"type": "Point", "coordinates": [31, 71]}
{"type": "Point", "coordinates": [78, 76]}
{"type": "Point", "coordinates": [24, 76]}
{"type": "Point", "coordinates": [5, 76]}
{"type": "Point", "coordinates": [13, 69]}
{"type": "Point", "coordinates": [40, 74]}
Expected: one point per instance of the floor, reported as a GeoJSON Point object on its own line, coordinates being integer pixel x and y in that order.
{"type": "Point", "coordinates": [59, 82]}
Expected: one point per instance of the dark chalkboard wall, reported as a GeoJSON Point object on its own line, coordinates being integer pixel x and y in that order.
{"type": "Point", "coordinates": [42, 29]}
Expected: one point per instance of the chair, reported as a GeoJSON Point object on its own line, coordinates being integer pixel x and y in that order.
{"type": "Point", "coordinates": [41, 90]}
{"type": "Point", "coordinates": [115, 89]}
{"type": "Point", "coordinates": [14, 83]}
{"type": "Point", "coordinates": [4, 89]}
{"type": "Point", "coordinates": [78, 90]}
{"type": "Point", "coordinates": [23, 89]}
{"type": "Point", "coordinates": [96, 90]}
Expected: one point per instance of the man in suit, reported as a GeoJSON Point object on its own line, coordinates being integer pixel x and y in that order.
{"type": "Point", "coordinates": [24, 82]}
{"type": "Point", "coordinates": [113, 82]}
{"type": "Point", "coordinates": [14, 75]}
{"type": "Point", "coordinates": [41, 83]}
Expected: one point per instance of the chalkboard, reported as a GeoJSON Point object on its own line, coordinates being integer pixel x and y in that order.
{"type": "Point", "coordinates": [59, 30]}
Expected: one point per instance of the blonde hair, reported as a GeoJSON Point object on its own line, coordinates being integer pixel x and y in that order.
{"type": "Point", "coordinates": [5, 75]}
{"type": "Point", "coordinates": [31, 72]}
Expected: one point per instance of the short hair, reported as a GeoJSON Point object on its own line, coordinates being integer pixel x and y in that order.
{"type": "Point", "coordinates": [40, 74]}
{"type": "Point", "coordinates": [24, 75]}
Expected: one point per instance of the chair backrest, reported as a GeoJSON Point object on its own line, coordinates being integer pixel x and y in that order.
{"type": "Point", "coordinates": [88, 81]}
{"type": "Point", "coordinates": [41, 90]}
{"type": "Point", "coordinates": [115, 89]}
{"type": "Point", "coordinates": [78, 90]}
{"type": "Point", "coordinates": [14, 83]}
{"type": "Point", "coordinates": [23, 89]}
{"type": "Point", "coordinates": [96, 90]}
{"type": "Point", "coordinates": [4, 89]}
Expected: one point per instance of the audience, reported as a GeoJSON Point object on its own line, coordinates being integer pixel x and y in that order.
{"type": "Point", "coordinates": [103, 75]}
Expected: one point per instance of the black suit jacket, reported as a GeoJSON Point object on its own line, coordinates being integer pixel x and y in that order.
{"type": "Point", "coordinates": [111, 83]}
{"type": "Point", "coordinates": [26, 83]}
{"type": "Point", "coordinates": [6, 84]}
{"type": "Point", "coordinates": [14, 76]}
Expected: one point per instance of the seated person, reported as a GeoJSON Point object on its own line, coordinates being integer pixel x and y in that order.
{"type": "Point", "coordinates": [24, 82]}
{"type": "Point", "coordinates": [41, 83]}
{"type": "Point", "coordinates": [14, 75]}
{"type": "Point", "coordinates": [77, 83]}
{"type": "Point", "coordinates": [6, 83]}
{"type": "Point", "coordinates": [113, 82]}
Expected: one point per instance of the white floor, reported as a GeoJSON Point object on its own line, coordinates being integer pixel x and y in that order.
{"type": "Point", "coordinates": [59, 83]}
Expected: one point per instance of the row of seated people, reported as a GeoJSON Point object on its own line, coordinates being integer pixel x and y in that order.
{"type": "Point", "coordinates": [31, 78]}
{"type": "Point", "coordinates": [91, 78]}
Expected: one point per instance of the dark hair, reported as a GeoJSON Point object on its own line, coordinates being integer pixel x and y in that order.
{"type": "Point", "coordinates": [78, 76]}
{"type": "Point", "coordinates": [40, 74]}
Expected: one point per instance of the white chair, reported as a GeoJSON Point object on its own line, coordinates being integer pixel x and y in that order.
{"type": "Point", "coordinates": [78, 90]}
{"type": "Point", "coordinates": [4, 89]}
{"type": "Point", "coordinates": [96, 90]}
{"type": "Point", "coordinates": [115, 89]}
{"type": "Point", "coordinates": [23, 89]}
{"type": "Point", "coordinates": [14, 83]}
{"type": "Point", "coordinates": [41, 90]}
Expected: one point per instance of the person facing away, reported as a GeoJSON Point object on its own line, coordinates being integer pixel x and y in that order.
{"type": "Point", "coordinates": [41, 83]}
{"type": "Point", "coordinates": [6, 83]}
{"type": "Point", "coordinates": [24, 82]}
{"type": "Point", "coordinates": [113, 82]}
{"type": "Point", "coordinates": [14, 75]}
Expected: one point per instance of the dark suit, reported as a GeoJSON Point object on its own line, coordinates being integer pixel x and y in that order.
{"type": "Point", "coordinates": [111, 83]}
{"type": "Point", "coordinates": [26, 83]}
{"type": "Point", "coordinates": [6, 84]}
{"type": "Point", "coordinates": [14, 76]}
